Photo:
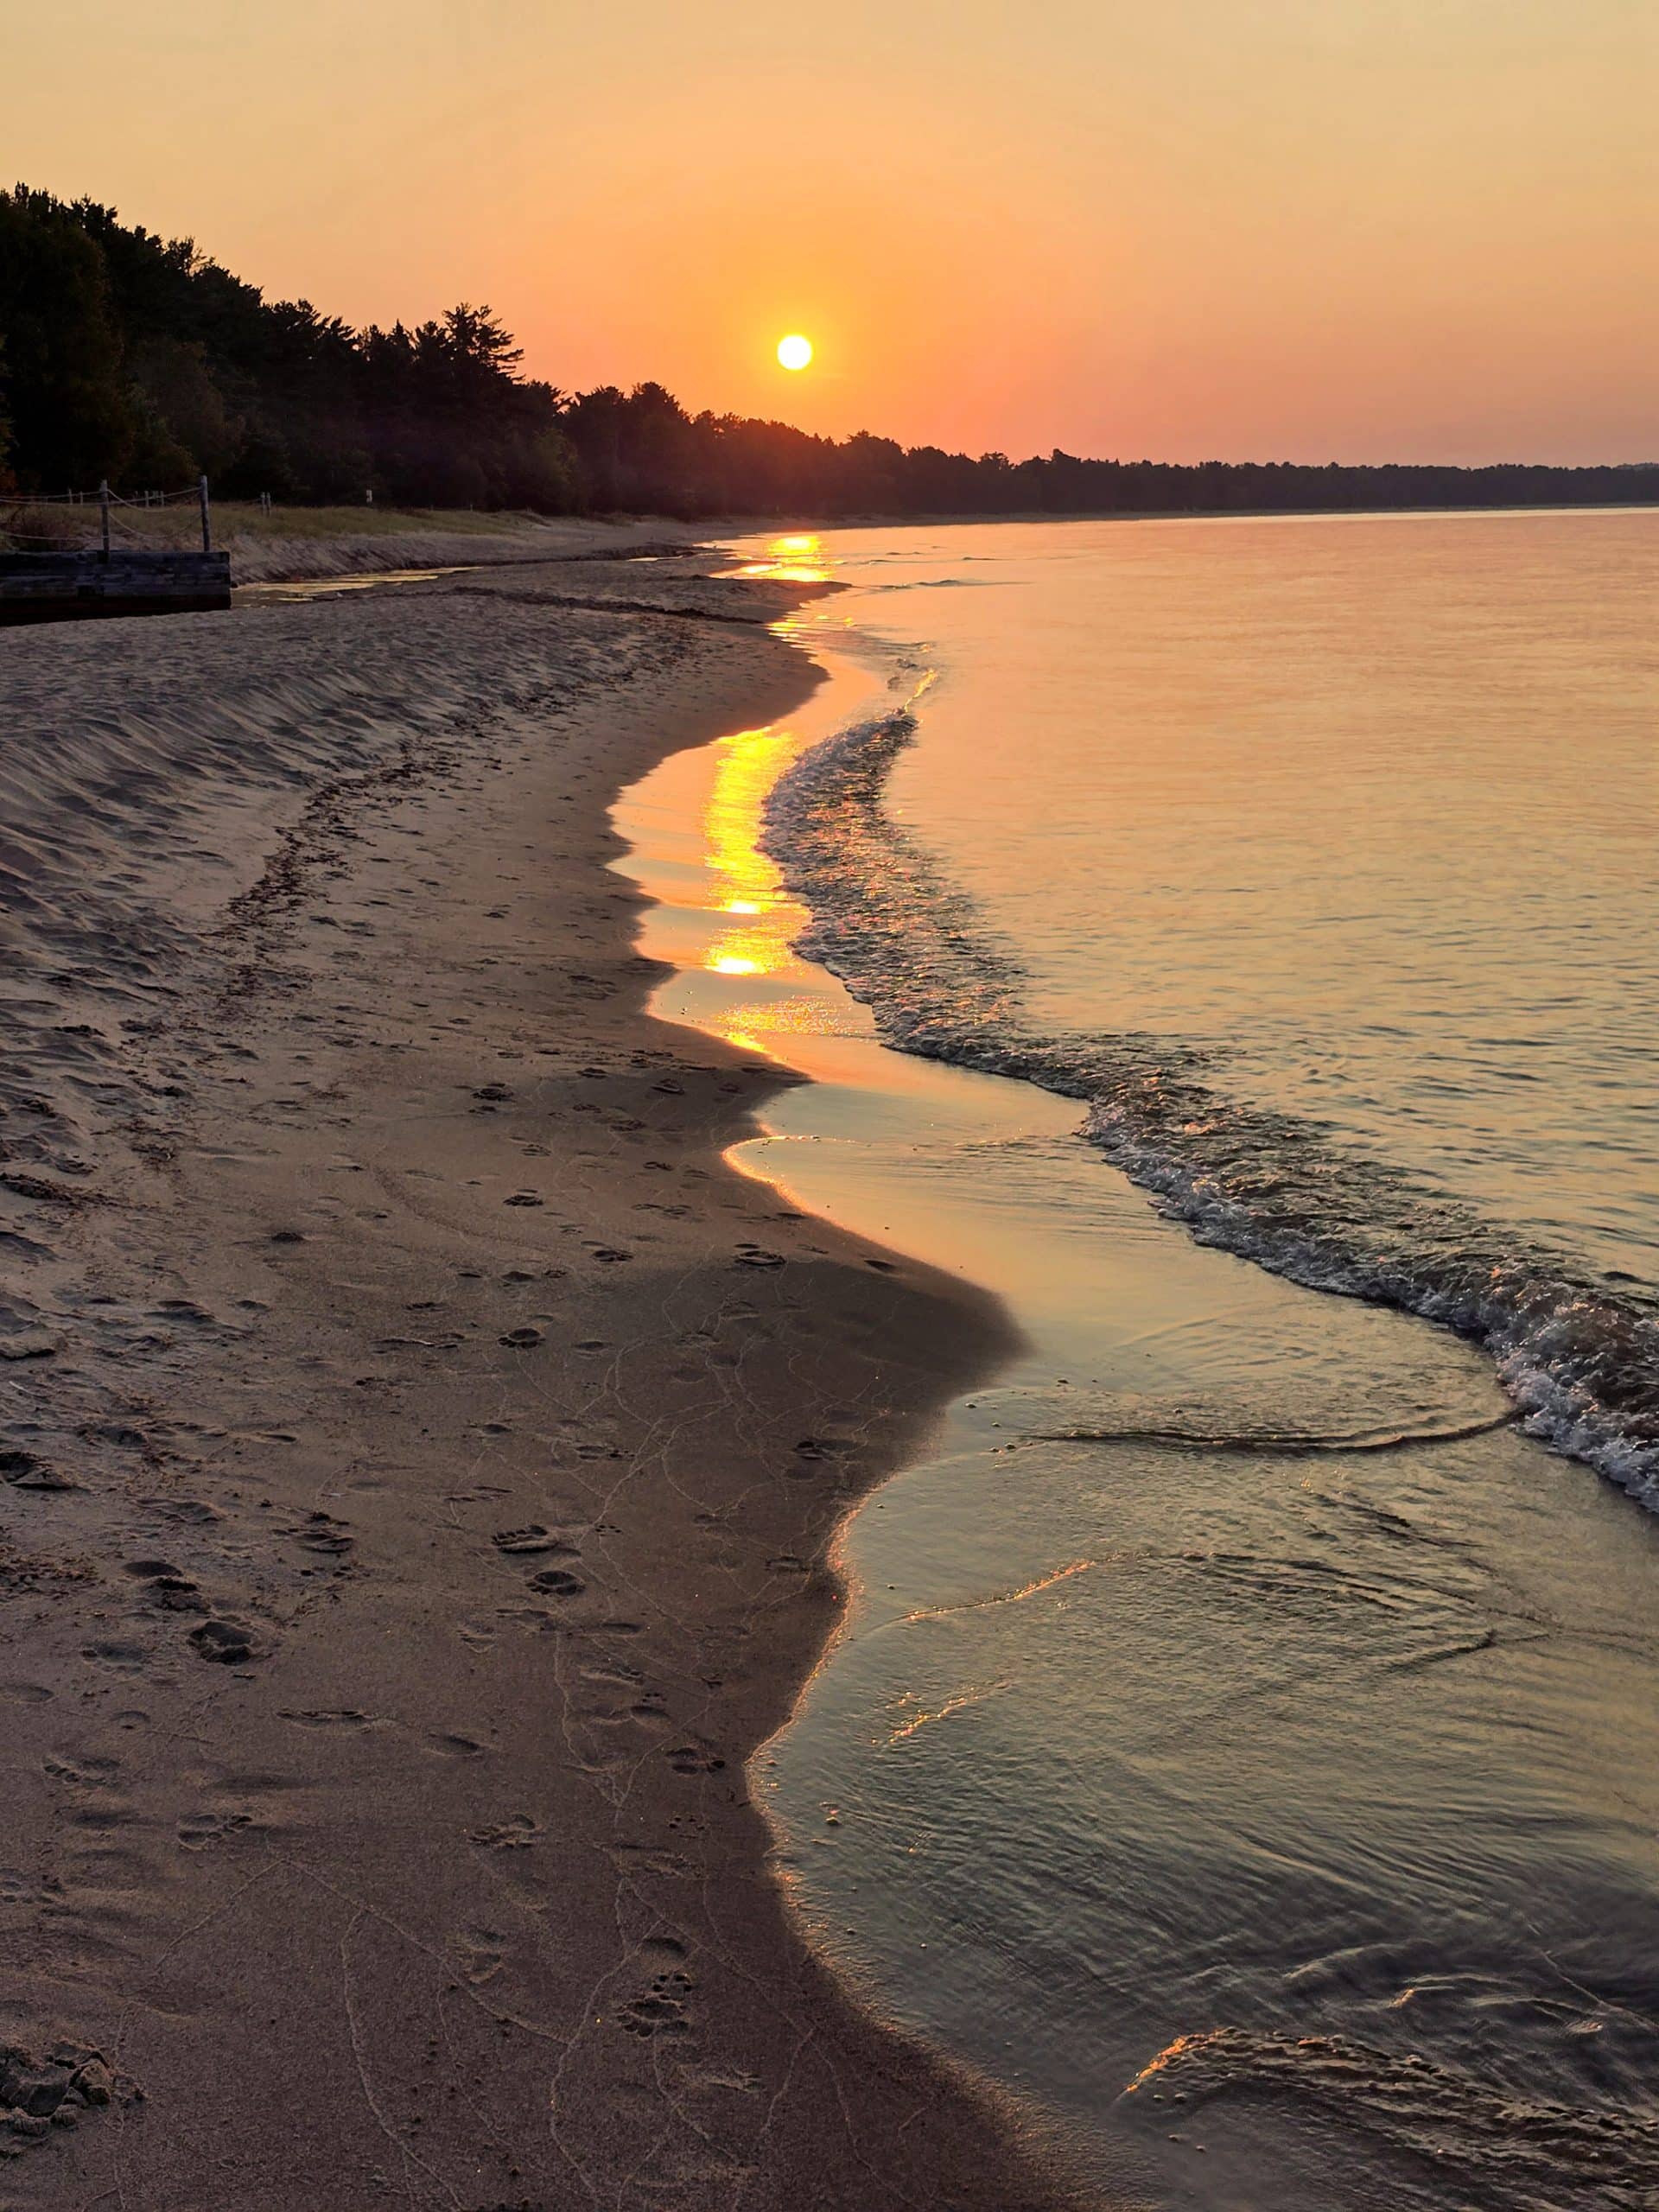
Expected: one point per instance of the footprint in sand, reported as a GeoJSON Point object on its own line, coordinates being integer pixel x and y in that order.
{"type": "Point", "coordinates": [87, 1772]}
{"type": "Point", "coordinates": [454, 1746]}
{"type": "Point", "coordinates": [533, 1539]}
{"type": "Point", "coordinates": [198, 1831]}
{"type": "Point", "coordinates": [656, 1949]}
{"type": "Point", "coordinates": [516, 1833]}
{"type": "Point", "coordinates": [173, 1592]}
{"type": "Point", "coordinates": [661, 2009]}
{"type": "Point", "coordinates": [481, 1956]}
{"type": "Point", "coordinates": [324, 1535]}
{"type": "Point", "coordinates": [194, 1511]}
{"type": "Point", "coordinates": [694, 1758]}
{"type": "Point", "coordinates": [557, 1582]}
{"type": "Point", "coordinates": [226, 1642]}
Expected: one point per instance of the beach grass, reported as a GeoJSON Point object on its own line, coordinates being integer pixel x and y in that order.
{"type": "Point", "coordinates": [284, 543]}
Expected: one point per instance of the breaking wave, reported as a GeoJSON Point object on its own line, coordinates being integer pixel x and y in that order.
{"type": "Point", "coordinates": [1578, 1356]}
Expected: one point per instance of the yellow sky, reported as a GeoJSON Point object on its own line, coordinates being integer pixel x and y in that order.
{"type": "Point", "coordinates": [1271, 229]}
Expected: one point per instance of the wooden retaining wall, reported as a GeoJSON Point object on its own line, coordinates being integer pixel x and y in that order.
{"type": "Point", "coordinates": [64, 586]}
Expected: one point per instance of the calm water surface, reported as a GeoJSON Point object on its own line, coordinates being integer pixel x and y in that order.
{"type": "Point", "coordinates": [1243, 1738]}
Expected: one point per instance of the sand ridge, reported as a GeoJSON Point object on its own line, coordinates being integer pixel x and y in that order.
{"type": "Point", "coordinates": [420, 1449]}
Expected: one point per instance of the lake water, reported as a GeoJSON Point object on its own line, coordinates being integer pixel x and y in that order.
{"type": "Point", "coordinates": [1242, 1740]}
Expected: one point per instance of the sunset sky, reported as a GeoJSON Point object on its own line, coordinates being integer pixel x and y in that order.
{"type": "Point", "coordinates": [1246, 229]}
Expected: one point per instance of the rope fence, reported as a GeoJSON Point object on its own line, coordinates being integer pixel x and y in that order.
{"type": "Point", "coordinates": [17, 508]}
{"type": "Point", "coordinates": [95, 499]}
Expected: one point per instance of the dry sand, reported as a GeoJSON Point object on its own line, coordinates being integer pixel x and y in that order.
{"type": "Point", "coordinates": [420, 1449]}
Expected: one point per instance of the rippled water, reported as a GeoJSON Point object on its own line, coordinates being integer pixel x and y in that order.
{"type": "Point", "coordinates": [1243, 1741]}
{"type": "Point", "coordinates": [1314, 857]}
{"type": "Point", "coordinates": [1363, 809]}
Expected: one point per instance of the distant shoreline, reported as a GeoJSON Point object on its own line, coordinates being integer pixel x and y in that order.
{"type": "Point", "coordinates": [754, 525]}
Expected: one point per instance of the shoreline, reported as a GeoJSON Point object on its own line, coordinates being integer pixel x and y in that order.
{"type": "Point", "coordinates": [408, 1535]}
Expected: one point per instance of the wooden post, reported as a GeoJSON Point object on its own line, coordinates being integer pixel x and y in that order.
{"type": "Point", "coordinates": [103, 515]}
{"type": "Point", "coordinates": [207, 526]}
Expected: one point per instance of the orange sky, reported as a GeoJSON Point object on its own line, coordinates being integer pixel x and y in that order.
{"type": "Point", "coordinates": [1271, 229]}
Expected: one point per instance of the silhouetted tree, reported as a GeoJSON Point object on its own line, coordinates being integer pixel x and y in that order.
{"type": "Point", "coordinates": [128, 355]}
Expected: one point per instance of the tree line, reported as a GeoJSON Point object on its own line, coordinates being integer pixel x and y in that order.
{"type": "Point", "coordinates": [128, 356]}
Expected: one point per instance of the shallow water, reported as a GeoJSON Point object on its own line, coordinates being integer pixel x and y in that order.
{"type": "Point", "coordinates": [1242, 1740]}
{"type": "Point", "coordinates": [298, 589]}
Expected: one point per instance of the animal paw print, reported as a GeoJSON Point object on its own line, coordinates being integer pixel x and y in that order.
{"type": "Point", "coordinates": [199, 1830]}
{"type": "Point", "coordinates": [531, 1540]}
{"type": "Point", "coordinates": [557, 1582]}
{"type": "Point", "coordinates": [225, 1642]}
{"type": "Point", "coordinates": [516, 1833]}
{"type": "Point", "coordinates": [660, 2009]}
{"type": "Point", "coordinates": [164, 1583]}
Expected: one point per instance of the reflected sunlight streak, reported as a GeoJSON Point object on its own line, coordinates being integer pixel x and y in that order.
{"type": "Point", "coordinates": [797, 559]}
{"type": "Point", "coordinates": [755, 920]}
{"type": "Point", "coordinates": [748, 884]}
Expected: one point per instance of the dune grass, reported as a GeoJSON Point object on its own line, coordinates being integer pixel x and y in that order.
{"type": "Point", "coordinates": [291, 543]}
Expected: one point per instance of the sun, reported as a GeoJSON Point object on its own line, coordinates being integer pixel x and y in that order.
{"type": "Point", "coordinates": [795, 352]}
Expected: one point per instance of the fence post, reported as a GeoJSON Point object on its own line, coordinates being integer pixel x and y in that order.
{"type": "Point", "coordinates": [207, 527]}
{"type": "Point", "coordinates": [103, 513]}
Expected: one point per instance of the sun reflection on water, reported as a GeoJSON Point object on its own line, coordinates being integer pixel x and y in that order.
{"type": "Point", "coordinates": [797, 559]}
{"type": "Point", "coordinates": [754, 920]}
{"type": "Point", "coordinates": [748, 889]}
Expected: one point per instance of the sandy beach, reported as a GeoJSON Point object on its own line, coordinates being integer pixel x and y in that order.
{"type": "Point", "coordinates": [421, 1451]}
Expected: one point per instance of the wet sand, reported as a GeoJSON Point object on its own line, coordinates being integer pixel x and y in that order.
{"type": "Point", "coordinates": [420, 1449]}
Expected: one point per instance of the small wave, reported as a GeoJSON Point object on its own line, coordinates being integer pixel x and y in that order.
{"type": "Point", "coordinates": [1268, 1445]}
{"type": "Point", "coordinates": [1578, 1356]}
{"type": "Point", "coordinates": [1519, 2150]}
{"type": "Point", "coordinates": [942, 583]}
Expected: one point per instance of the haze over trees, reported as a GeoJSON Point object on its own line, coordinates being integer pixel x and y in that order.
{"type": "Point", "coordinates": [128, 356]}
